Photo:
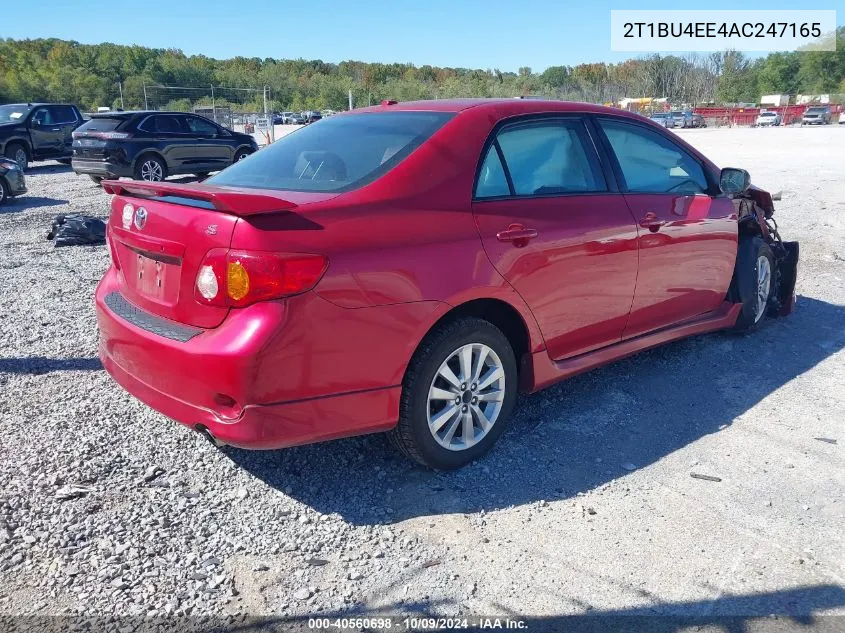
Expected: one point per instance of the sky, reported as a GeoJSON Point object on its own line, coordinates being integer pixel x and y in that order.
{"type": "Point", "coordinates": [503, 34]}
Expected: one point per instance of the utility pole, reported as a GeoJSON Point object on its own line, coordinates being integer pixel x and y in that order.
{"type": "Point", "coordinates": [213, 109]}
{"type": "Point", "coordinates": [350, 99]}
{"type": "Point", "coordinates": [268, 117]}
{"type": "Point", "coordinates": [146, 107]}
{"type": "Point", "coordinates": [120, 87]}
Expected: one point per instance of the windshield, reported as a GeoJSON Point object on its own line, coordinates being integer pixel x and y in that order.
{"type": "Point", "coordinates": [815, 110]}
{"type": "Point", "coordinates": [659, 116]}
{"type": "Point", "coordinates": [767, 114]}
{"type": "Point", "coordinates": [13, 113]}
{"type": "Point", "coordinates": [335, 154]}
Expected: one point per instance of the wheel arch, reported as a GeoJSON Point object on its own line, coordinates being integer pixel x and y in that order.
{"type": "Point", "coordinates": [17, 140]}
{"type": "Point", "coordinates": [242, 147]}
{"type": "Point", "coordinates": [147, 152]}
{"type": "Point", "coordinates": [523, 335]}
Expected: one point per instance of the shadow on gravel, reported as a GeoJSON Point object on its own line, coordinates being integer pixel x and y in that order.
{"type": "Point", "coordinates": [37, 365]}
{"type": "Point", "coordinates": [49, 168]}
{"type": "Point", "coordinates": [783, 611]}
{"type": "Point", "coordinates": [25, 203]}
{"type": "Point", "coordinates": [570, 438]}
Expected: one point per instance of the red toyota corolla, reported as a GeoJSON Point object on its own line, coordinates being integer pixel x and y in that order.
{"type": "Point", "coordinates": [410, 267]}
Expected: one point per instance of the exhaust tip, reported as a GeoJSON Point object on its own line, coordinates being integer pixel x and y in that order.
{"type": "Point", "coordinates": [203, 430]}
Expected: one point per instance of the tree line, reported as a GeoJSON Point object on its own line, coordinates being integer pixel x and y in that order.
{"type": "Point", "coordinates": [98, 75]}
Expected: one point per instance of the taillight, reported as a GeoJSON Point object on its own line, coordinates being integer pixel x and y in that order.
{"type": "Point", "coordinates": [112, 252]}
{"type": "Point", "coordinates": [106, 136]}
{"type": "Point", "coordinates": [238, 278]}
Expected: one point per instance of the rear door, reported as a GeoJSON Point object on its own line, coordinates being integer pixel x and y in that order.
{"type": "Point", "coordinates": [214, 149]}
{"type": "Point", "coordinates": [554, 228]}
{"type": "Point", "coordinates": [47, 139]}
{"type": "Point", "coordinates": [687, 232]}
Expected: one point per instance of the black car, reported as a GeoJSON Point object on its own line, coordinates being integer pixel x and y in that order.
{"type": "Point", "coordinates": [38, 131]}
{"type": "Point", "coordinates": [311, 115]}
{"type": "Point", "coordinates": [12, 182]}
{"type": "Point", "coordinates": [155, 145]}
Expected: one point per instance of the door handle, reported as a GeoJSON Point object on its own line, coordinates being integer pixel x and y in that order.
{"type": "Point", "coordinates": [517, 234]}
{"type": "Point", "coordinates": [651, 222]}
{"type": "Point", "coordinates": [56, 129]}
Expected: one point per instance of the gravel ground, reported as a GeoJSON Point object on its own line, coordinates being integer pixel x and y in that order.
{"type": "Point", "coordinates": [587, 504]}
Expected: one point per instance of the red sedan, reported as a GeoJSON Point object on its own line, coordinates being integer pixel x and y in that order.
{"type": "Point", "coordinates": [410, 267]}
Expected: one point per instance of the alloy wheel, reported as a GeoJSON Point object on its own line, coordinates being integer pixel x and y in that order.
{"type": "Point", "coordinates": [20, 158]}
{"type": "Point", "coordinates": [151, 170]}
{"type": "Point", "coordinates": [466, 396]}
{"type": "Point", "coordinates": [764, 283]}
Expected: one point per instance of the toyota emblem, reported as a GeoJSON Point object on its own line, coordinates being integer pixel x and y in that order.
{"type": "Point", "coordinates": [140, 218]}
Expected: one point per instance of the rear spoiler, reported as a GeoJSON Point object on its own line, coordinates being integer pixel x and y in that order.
{"type": "Point", "coordinates": [231, 201]}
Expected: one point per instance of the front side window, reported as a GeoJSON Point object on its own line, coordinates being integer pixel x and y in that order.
{"type": "Point", "coordinates": [550, 157]}
{"type": "Point", "coordinates": [200, 126]}
{"type": "Point", "coordinates": [335, 154]}
{"type": "Point", "coordinates": [651, 163]}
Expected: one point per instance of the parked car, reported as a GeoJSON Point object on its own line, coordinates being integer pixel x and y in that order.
{"type": "Point", "coordinates": [842, 117]}
{"type": "Point", "coordinates": [326, 113]}
{"type": "Point", "coordinates": [663, 118]}
{"type": "Point", "coordinates": [682, 119]}
{"type": "Point", "coordinates": [38, 131]}
{"type": "Point", "coordinates": [768, 119]}
{"type": "Point", "coordinates": [154, 145]}
{"type": "Point", "coordinates": [698, 120]}
{"type": "Point", "coordinates": [517, 243]}
{"type": "Point", "coordinates": [12, 181]}
{"type": "Point", "coordinates": [297, 118]}
{"type": "Point", "coordinates": [287, 118]}
{"type": "Point", "coordinates": [311, 115]}
{"type": "Point", "coordinates": [278, 119]}
{"type": "Point", "coordinates": [816, 115]}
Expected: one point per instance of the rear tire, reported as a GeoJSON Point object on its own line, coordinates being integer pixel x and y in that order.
{"type": "Point", "coordinates": [17, 152]}
{"type": "Point", "coordinates": [151, 168]}
{"type": "Point", "coordinates": [445, 424]}
{"type": "Point", "coordinates": [753, 283]}
{"type": "Point", "coordinates": [241, 154]}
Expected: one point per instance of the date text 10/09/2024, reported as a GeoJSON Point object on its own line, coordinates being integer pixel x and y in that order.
{"type": "Point", "coordinates": [416, 623]}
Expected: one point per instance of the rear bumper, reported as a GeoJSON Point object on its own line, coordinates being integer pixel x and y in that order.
{"type": "Point", "coordinates": [102, 168]}
{"type": "Point", "coordinates": [248, 382]}
{"type": "Point", "coordinates": [15, 183]}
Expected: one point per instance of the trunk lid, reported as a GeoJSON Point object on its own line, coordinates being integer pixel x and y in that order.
{"type": "Point", "coordinates": [91, 141]}
{"type": "Point", "coordinates": [160, 249]}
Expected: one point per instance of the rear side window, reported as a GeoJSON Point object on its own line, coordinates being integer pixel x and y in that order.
{"type": "Point", "coordinates": [338, 153]}
{"type": "Point", "coordinates": [62, 114]}
{"type": "Point", "coordinates": [651, 163]}
{"type": "Point", "coordinates": [162, 124]}
{"type": "Point", "coordinates": [492, 181]}
{"type": "Point", "coordinates": [546, 158]}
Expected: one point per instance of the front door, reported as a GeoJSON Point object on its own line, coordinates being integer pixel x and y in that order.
{"type": "Point", "coordinates": [687, 233]}
{"type": "Point", "coordinates": [47, 137]}
{"type": "Point", "coordinates": [553, 230]}
{"type": "Point", "coordinates": [213, 150]}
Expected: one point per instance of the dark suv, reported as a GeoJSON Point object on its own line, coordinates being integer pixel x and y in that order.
{"type": "Point", "coordinates": [155, 145]}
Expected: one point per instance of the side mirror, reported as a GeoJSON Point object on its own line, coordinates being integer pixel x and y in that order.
{"type": "Point", "coordinates": [733, 180]}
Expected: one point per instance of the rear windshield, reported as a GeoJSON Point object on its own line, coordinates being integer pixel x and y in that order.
{"type": "Point", "coordinates": [335, 154]}
{"type": "Point", "coordinates": [101, 124]}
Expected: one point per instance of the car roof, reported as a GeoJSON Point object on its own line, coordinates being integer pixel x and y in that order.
{"type": "Point", "coordinates": [112, 114]}
{"type": "Point", "coordinates": [514, 106]}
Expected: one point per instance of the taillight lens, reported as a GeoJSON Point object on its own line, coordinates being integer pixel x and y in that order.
{"type": "Point", "coordinates": [238, 278]}
{"type": "Point", "coordinates": [106, 136]}
{"type": "Point", "coordinates": [112, 252]}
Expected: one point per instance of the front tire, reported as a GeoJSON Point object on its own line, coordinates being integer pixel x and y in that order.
{"type": "Point", "coordinates": [241, 154]}
{"type": "Point", "coordinates": [753, 283]}
{"type": "Point", "coordinates": [18, 153]}
{"type": "Point", "coordinates": [150, 168]}
{"type": "Point", "coordinates": [457, 395]}
{"type": "Point", "coordinates": [4, 191]}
